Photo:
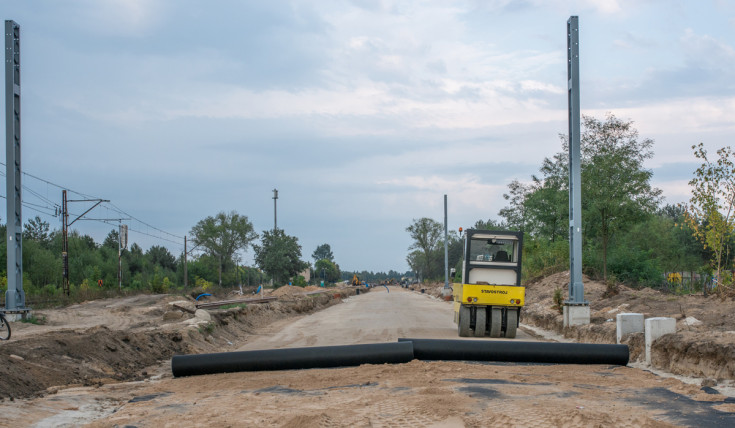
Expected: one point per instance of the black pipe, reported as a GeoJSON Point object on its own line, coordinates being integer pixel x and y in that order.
{"type": "Point", "coordinates": [519, 352]}
{"type": "Point", "coordinates": [292, 358]}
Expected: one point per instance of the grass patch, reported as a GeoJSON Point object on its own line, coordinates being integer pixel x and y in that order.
{"type": "Point", "coordinates": [34, 320]}
{"type": "Point", "coordinates": [234, 305]}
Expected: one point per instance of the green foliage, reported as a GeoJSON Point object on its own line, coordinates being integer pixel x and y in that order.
{"type": "Point", "coordinates": [323, 251]}
{"type": "Point", "coordinates": [279, 255]}
{"type": "Point", "coordinates": [427, 236]}
{"type": "Point", "coordinates": [222, 236]}
{"type": "Point", "coordinates": [33, 319]}
{"type": "Point", "coordinates": [299, 281]}
{"type": "Point", "coordinates": [558, 300]}
{"type": "Point", "coordinates": [543, 257]}
{"type": "Point", "coordinates": [327, 271]}
{"type": "Point", "coordinates": [711, 211]}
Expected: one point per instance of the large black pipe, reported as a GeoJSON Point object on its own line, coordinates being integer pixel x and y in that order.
{"type": "Point", "coordinates": [292, 358]}
{"type": "Point", "coordinates": [519, 352]}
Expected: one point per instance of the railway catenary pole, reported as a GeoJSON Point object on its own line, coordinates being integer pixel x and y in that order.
{"type": "Point", "coordinates": [576, 309]}
{"type": "Point", "coordinates": [446, 247]}
{"type": "Point", "coordinates": [275, 215]}
{"type": "Point", "coordinates": [15, 300]}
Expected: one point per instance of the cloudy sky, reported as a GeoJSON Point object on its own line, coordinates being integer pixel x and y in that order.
{"type": "Point", "coordinates": [362, 113]}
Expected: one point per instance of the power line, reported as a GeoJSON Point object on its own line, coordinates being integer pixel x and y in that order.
{"type": "Point", "coordinates": [111, 207]}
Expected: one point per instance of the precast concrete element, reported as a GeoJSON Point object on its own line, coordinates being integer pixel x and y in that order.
{"type": "Point", "coordinates": [655, 328]}
{"type": "Point", "coordinates": [576, 315]}
{"type": "Point", "coordinates": [519, 352]}
{"type": "Point", "coordinates": [628, 323]}
{"type": "Point", "coordinates": [292, 358]}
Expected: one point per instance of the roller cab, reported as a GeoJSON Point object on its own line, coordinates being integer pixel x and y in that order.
{"type": "Point", "coordinates": [489, 299]}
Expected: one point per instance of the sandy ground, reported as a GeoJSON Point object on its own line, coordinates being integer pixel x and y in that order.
{"type": "Point", "coordinates": [419, 393]}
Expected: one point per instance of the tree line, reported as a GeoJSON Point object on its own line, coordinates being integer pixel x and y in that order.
{"type": "Point", "coordinates": [214, 259]}
{"type": "Point", "coordinates": [630, 234]}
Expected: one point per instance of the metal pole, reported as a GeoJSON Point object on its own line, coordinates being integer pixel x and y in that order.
{"type": "Point", "coordinates": [65, 242]}
{"type": "Point", "coordinates": [275, 215]}
{"type": "Point", "coordinates": [119, 255]}
{"type": "Point", "coordinates": [576, 288]}
{"type": "Point", "coordinates": [446, 246]}
{"type": "Point", "coordinates": [186, 276]}
{"type": "Point", "coordinates": [15, 299]}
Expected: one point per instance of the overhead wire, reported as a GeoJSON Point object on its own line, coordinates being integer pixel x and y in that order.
{"type": "Point", "coordinates": [54, 206]}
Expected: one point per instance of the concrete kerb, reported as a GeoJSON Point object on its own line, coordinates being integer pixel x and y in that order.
{"type": "Point", "coordinates": [627, 323]}
{"type": "Point", "coordinates": [655, 328]}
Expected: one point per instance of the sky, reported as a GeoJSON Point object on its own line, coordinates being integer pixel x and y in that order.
{"type": "Point", "coordinates": [362, 113]}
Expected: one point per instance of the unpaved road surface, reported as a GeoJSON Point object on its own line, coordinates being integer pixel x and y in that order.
{"type": "Point", "coordinates": [417, 394]}
{"type": "Point", "coordinates": [376, 317]}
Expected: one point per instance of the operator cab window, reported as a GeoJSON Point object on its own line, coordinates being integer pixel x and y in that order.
{"type": "Point", "coordinates": [493, 250]}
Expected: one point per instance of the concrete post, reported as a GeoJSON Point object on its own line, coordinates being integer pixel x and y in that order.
{"type": "Point", "coordinates": [655, 328]}
{"type": "Point", "coordinates": [628, 323]}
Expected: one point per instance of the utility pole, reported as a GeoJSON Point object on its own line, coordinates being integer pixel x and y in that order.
{"type": "Point", "coordinates": [65, 243]}
{"type": "Point", "coordinates": [447, 290]}
{"type": "Point", "coordinates": [275, 216]}
{"type": "Point", "coordinates": [186, 274]}
{"type": "Point", "coordinates": [15, 298]}
{"type": "Point", "coordinates": [65, 232]}
{"type": "Point", "coordinates": [122, 243]}
{"type": "Point", "coordinates": [576, 309]}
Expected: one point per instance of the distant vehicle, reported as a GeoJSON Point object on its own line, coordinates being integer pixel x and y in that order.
{"type": "Point", "coordinates": [490, 297]}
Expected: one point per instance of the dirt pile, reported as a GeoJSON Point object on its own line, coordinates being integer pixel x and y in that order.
{"type": "Point", "coordinates": [117, 340]}
{"type": "Point", "coordinates": [288, 290]}
{"type": "Point", "coordinates": [703, 346]}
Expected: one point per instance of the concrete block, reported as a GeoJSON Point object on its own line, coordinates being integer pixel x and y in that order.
{"type": "Point", "coordinates": [576, 315]}
{"type": "Point", "coordinates": [628, 323]}
{"type": "Point", "coordinates": [655, 328]}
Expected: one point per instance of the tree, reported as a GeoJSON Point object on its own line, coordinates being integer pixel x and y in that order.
{"type": "Point", "coordinates": [159, 255]}
{"type": "Point", "coordinates": [616, 189]}
{"type": "Point", "coordinates": [223, 235]}
{"type": "Point", "coordinates": [515, 213]}
{"type": "Point", "coordinates": [415, 260]}
{"type": "Point", "coordinates": [36, 230]}
{"type": "Point", "coordinates": [547, 204]}
{"type": "Point", "coordinates": [279, 255]}
{"type": "Point", "coordinates": [426, 234]}
{"type": "Point", "coordinates": [710, 210]}
{"type": "Point", "coordinates": [326, 270]}
{"type": "Point", "coordinates": [112, 240]}
{"type": "Point", "coordinates": [323, 251]}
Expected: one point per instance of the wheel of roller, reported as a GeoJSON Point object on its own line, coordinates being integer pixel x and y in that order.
{"type": "Point", "coordinates": [480, 322]}
{"type": "Point", "coordinates": [511, 323]}
{"type": "Point", "coordinates": [463, 326]}
{"type": "Point", "coordinates": [496, 321]}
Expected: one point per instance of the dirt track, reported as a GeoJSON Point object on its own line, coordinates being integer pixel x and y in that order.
{"type": "Point", "coordinates": [377, 317]}
{"type": "Point", "coordinates": [414, 394]}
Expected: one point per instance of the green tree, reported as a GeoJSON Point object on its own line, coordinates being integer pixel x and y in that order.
{"type": "Point", "coordinates": [112, 240]}
{"type": "Point", "coordinates": [327, 270]}
{"type": "Point", "coordinates": [323, 251]}
{"type": "Point", "coordinates": [547, 204]}
{"type": "Point", "coordinates": [515, 213]}
{"type": "Point", "coordinates": [159, 255]}
{"type": "Point", "coordinates": [426, 234]}
{"type": "Point", "coordinates": [710, 210]}
{"type": "Point", "coordinates": [223, 235]}
{"type": "Point", "coordinates": [616, 188]}
{"type": "Point", "coordinates": [279, 255]}
{"type": "Point", "coordinates": [37, 230]}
